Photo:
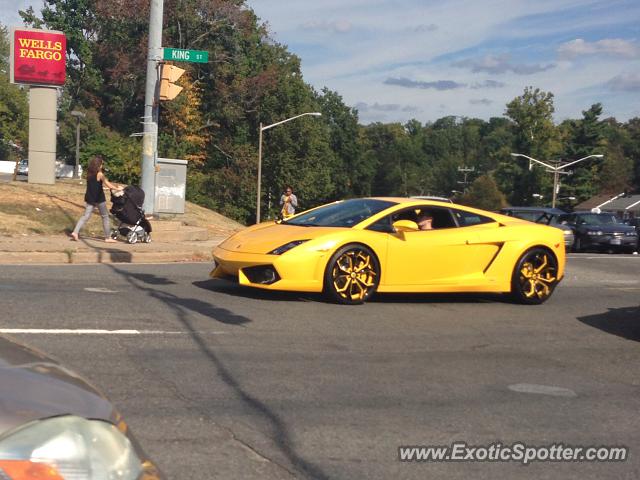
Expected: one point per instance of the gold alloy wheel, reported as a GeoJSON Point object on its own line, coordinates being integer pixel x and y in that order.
{"type": "Point", "coordinates": [537, 275]}
{"type": "Point", "coordinates": [354, 275]}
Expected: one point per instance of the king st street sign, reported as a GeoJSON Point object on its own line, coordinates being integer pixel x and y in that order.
{"type": "Point", "coordinates": [179, 55]}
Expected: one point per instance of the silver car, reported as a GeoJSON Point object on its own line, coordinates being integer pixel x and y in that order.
{"type": "Point", "coordinates": [54, 425]}
{"type": "Point", "coordinates": [546, 215]}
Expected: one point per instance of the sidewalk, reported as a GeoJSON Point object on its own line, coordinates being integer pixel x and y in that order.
{"type": "Point", "coordinates": [59, 249]}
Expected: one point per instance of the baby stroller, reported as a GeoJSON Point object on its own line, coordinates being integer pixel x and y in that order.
{"type": "Point", "coordinates": [126, 206]}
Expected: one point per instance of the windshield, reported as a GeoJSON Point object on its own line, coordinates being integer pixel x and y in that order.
{"type": "Point", "coordinates": [341, 214]}
{"type": "Point", "coordinates": [598, 219]}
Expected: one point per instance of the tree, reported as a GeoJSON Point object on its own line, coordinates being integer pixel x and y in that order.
{"type": "Point", "coordinates": [485, 194]}
{"type": "Point", "coordinates": [14, 114]}
{"type": "Point", "coordinates": [535, 136]}
{"type": "Point", "coordinates": [584, 137]}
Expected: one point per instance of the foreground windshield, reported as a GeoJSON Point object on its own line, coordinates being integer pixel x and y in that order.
{"type": "Point", "coordinates": [598, 219]}
{"type": "Point", "coordinates": [341, 214]}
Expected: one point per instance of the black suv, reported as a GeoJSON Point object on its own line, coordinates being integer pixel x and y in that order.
{"type": "Point", "coordinates": [600, 231]}
{"type": "Point", "coordinates": [545, 215]}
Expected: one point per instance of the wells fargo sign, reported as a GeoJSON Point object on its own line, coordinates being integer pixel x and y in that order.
{"type": "Point", "coordinates": [38, 57]}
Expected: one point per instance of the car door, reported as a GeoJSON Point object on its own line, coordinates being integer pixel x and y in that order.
{"type": "Point", "coordinates": [458, 254]}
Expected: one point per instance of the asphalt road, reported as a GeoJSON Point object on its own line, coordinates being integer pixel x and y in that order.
{"type": "Point", "coordinates": [231, 383]}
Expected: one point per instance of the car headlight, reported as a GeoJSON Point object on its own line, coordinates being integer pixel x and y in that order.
{"type": "Point", "coordinates": [594, 232]}
{"type": "Point", "coordinates": [567, 232]}
{"type": "Point", "coordinates": [68, 448]}
{"type": "Point", "coordinates": [631, 234]}
{"type": "Point", "coordinates": [286, 247]}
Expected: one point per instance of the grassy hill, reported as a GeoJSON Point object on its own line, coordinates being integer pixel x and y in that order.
{"type": "Point", "coordinates": [29, 209]}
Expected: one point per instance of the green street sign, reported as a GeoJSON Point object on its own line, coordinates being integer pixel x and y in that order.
{"type": "Point", "coordinates": [179, 55]}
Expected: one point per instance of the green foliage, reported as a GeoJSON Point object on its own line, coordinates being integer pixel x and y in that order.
{"type": "Point", "coordinates": [251, 80]}
{"type": "Point", "coordinates": [485, 194]}
{"type": "Point", "coordinates": [14, 113]}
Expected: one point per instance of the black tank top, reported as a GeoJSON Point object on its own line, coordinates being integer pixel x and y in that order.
{"type": "Point", "coordinates": [94, 194]}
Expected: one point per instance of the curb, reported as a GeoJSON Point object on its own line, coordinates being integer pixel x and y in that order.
{"type": "Point", "coordinates": [75, 258]}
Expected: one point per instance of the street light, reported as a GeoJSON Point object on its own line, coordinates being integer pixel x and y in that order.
{"type": "Point", "coordinates": [262, 129]}
{"type": "Point", "coordinates": [79, 116]}
{"type": "Point", "coordinates": [555, 170]}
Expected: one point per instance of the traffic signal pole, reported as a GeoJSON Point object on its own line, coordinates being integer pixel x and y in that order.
{"type": "Point", "coordinates": [150, 120]}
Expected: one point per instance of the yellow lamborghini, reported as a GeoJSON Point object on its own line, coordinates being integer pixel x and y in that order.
{"type": "Point", "coordinates": [353, 248]}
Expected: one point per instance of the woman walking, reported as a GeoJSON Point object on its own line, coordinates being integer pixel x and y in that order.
{"type": "Point", "coordinates": [94, 197]}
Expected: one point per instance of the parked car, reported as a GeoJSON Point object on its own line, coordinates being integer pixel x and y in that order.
{"type": "Point", "coordinates": [23, 167]}
{"type": "Point", "coordinates": [545, 215]}
{"type": "Point", "coordinates": [600, 231]}
{"type": "Point", "coordinates": [54, 425]}
{"type": "Point", "coordinates": [635, 223]}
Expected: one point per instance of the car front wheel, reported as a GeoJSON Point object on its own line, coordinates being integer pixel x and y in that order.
{"type": "Point", "coordinates": [352, 275]}
{"type": "Point", "coordinates": [534, 277]}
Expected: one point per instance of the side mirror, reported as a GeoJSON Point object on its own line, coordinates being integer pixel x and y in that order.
{"type": "Point", "coordinates": [405, 226]}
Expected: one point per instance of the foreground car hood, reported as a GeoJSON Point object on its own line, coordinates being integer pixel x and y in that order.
{"type": "Point", "coordinates": [265, 237]}
{"type": "Point", "coordinates": [34, 387]}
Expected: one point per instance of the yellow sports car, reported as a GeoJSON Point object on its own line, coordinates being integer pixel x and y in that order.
{"type": "Point", "coordinates": [352, 248]}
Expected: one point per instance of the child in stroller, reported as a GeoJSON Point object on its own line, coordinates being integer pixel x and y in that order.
{"type": "Point", "coordinates": [127, 207]}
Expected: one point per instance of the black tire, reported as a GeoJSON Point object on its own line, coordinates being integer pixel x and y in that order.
{"type": "Point", "coordinates": [352, 275]}
{"type": "Point", "coordinates": [132, 237]}
{"type": "Point", "coordinates": [147, 238]}
{"type": "Point", "coordinates": [114, 234]}
{"type": "Point", "coordinates": [534, 277]}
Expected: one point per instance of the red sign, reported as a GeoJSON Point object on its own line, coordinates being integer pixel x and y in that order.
{"type": "Point", "coordinates": [38, 57]}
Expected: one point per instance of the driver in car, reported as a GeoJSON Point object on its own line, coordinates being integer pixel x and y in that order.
{"type": "Point", "coordinates": [425, 221]}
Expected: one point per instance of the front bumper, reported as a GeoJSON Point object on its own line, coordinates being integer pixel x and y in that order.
{"type": "Point", "coordinates": [609, 241]}
{"type": "Point", "coordinates": [289, 271]}
{"type": "Point", "coordinates": [569, 240]}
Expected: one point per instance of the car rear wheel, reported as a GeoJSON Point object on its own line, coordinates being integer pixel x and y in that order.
{"type": "Point", "coordinates": [534, 277]}
{"type": "Point", "coordinates": [352, 275]}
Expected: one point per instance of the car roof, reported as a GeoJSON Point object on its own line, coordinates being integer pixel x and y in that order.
{"type": "Point", "coordinates": [584, 212]}
{"type": "Point", "coordinates": [414, 200]}
{"type": "Point", "coordinates": [432, 197]}
{"type": "Point", "coordinates": [555, 211]}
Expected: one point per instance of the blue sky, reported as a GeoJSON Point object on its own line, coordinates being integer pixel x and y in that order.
{"type": "Point", "coordinates": [403, 59]}
{"type": "Point", "coordinates": [395, 60]}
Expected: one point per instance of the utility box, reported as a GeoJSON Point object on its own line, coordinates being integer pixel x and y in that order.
{"type": "Point", "coordinates": [171, 183]}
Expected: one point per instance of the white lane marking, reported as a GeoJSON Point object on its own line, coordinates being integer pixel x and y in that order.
{"type": "Point", "coordinates": [542, 390]}
{"type": "Point", "coordinates": [100, 290]}
{"type": "Point", "coordinates": [80, 331]}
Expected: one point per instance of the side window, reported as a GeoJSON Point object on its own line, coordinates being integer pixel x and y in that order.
{"type": "Point", "coordinates": [382, 225]}
{"type": "Point", "coordinates": [467, 219]}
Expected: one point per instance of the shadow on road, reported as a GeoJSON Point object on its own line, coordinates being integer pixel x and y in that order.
{"type": "Point", "coordinates": [278, 431]}
{"type": "Point", "coordinates": [441, 298]}
{"type": "Point", "coordinates": [231, 288]}
{"type": "Point", "coordinates": [623, 322]}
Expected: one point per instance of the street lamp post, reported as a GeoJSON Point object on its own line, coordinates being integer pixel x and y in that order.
{"type": "Point", "coordinates": [79, 116]}
{"type": "Point", "coordinates": [556, 170]}
{"type": "Point", "coordinates": [262, 129]}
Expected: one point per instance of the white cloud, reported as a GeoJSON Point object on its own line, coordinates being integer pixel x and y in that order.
{"type": "Point", "coordinates": [480, 101]}
{"type": "Point", "coordinates": [627, 82]}
{"type": "Point", "coordinates": [497, 64]}
{"type": "Point", "coordinates": [616, 47]}
{"type": "Point", "coordinates": [336, 26]}
{"type": "Point", "coordinates": [437, 85]}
